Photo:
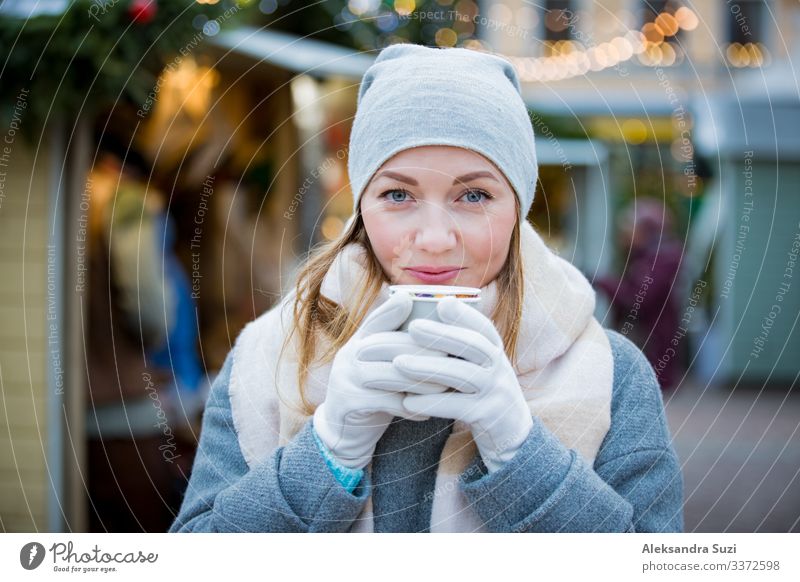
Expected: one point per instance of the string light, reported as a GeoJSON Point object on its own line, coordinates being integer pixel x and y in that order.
{"type": "Point", "coordinates": [568, 59]}
{"type": "Point", "coordinates": [747, 55]}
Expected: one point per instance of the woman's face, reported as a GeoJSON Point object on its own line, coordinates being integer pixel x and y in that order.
{"type": "Point", "coordinates": [431, 208]}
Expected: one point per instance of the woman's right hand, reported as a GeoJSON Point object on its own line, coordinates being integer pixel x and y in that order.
{"type": "Point", "coordinates": [365, 391]}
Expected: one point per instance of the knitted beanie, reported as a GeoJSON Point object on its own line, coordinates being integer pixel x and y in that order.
{"type": "Point", "coordinates": [413, 95]}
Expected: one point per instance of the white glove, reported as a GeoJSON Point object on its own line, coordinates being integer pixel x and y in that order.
{"type": "Point", "coordinates": [365, 391]}
{"type": "Point", "coordinates": [489, 398]}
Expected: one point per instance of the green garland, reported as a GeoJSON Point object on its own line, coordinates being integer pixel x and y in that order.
{"type": "Point", "coordinates": [381, 25]}
{"type": "Point", "coordinates": [95, 53]}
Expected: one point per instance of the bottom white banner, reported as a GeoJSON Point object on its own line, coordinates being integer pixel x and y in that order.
{"type": "Point", "coordinates": [331, 557]}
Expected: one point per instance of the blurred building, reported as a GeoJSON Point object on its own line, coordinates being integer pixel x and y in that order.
{"type": "Point", "coordinates": [694, 104]}
{"type": "Point", "coordinates": [247, 138]}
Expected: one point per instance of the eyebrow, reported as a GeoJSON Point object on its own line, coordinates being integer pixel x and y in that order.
{"type": "Point", "coordinates": [465, 178]}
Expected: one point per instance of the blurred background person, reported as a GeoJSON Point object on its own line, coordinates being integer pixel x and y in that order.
{"type": "Point", "coordinates": [644, 297]}
{"type": "Point", "coordinates": [146, 385]}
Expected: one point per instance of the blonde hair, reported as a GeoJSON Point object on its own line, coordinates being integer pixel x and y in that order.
{"type": "Point", "coordinates": [315, 314]}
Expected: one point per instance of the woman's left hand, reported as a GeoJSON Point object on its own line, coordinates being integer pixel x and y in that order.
{"type": "Point", "coordinates": [489, 398]}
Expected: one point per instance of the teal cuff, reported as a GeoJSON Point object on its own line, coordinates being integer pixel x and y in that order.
{"type": "Point", "coordinates": [348, 477]}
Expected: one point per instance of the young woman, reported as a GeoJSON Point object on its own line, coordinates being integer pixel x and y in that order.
{"type": "Point", "coordinates": [325, 418]}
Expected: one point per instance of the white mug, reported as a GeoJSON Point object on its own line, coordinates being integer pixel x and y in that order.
{"type": "Point", "coordinates": [427, 297]}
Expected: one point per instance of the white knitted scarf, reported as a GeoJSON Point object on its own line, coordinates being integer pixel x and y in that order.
{"type": "Point", "coordinates": [565, 368]}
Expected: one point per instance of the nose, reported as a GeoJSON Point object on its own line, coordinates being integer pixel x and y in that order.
{"type": "Point", "coordinates": [436, 231]}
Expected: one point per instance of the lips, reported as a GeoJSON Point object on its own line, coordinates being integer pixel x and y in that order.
{"type": "Point", "coordinates": [434, 269]}
{"type": "Point", "coordinates": [430, 274]}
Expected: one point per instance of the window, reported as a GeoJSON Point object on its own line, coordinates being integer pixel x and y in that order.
{"type": "Point", "coordinates": [661, 23]}
{"type": "Point", "coordinates": [744, 20]}
{"type": "Point", "coordinates": [744, 24]}
{"type": "Point", "coordinates": [657, 18]}
{"type": "Point", "coordinates": [560, 21]}
{"type": "Point", "coordinates": [558, 16]}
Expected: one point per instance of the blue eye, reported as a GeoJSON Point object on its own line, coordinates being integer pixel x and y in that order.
{"type": "Point", "coordinates": [392, 198]}
{"type": "Point", "coordinates": [486, 195]}
{"type": "Point", "coordinates": [389, 197]}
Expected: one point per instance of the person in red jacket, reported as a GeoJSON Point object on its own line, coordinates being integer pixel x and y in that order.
{"type": "Point", "coordinates": [644, 297]}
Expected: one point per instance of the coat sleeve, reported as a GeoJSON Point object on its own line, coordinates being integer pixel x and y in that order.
{"type": "Point", "coordinates": [292, 490]}
{"type": "Point", "coordinates": [635, 484]}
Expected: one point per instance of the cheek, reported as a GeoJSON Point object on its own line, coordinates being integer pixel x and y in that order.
{"type": "Point", "coordinates": [487, 251]}
{"type": "Point", "coordinates": [389, 241]}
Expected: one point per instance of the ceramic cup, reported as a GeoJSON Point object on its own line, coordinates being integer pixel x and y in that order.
{"type": "Point", "coordinates": [426, 298]}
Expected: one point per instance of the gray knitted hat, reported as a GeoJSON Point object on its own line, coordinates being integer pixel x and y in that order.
{"type": "Point", "coordinates": [413, 95]}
